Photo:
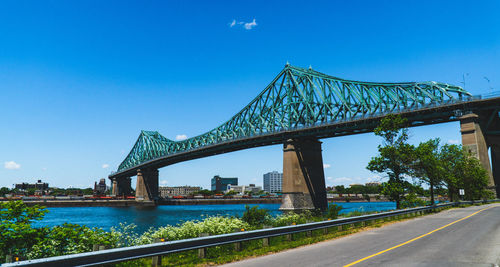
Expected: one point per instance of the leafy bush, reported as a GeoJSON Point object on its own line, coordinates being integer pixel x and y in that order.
{"type": "Point", "coordinates": [411, 201]}
{"type": "Point", "coordinates": [190, 229]}
{"type": "Point", "coordinates": [292, 218]}
{"type": "Point", "coordinates": [17, 235]}
{"type": "Point", "coordinates": [333, 211]}
{"type": "Point", "coordinates": [255, 216]}
{"type": "Point", "coordinates": [69, 239]}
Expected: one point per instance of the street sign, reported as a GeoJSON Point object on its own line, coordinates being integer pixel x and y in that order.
{"type": "Point", "coordinates": [461, 192]}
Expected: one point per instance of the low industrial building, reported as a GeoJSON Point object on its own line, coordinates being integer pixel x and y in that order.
{"type": "Point", "coordinates": [40, 187]}
{"type": "Point", "coordinates": [241, 189]}
{"type": "Point", "coordinates": [171, 191]}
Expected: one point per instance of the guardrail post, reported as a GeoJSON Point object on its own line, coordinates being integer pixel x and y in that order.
{"type": "Point", "coordinates": [95, 247]}
{"type": "Point", "coordinates": [8, 258]}
{"type": "Point", "coordinates": [156, 260]}
{"type": "Point", "coordinates": [237, 245]}
{"type": "Point", "coordinates": [202, 252]}
{"type": "Point", "coordinates": [265, 240]}
{"type": "Point", "coordinates": [102, 247]}
{"type": "Point", "coordinates": [309, 233]}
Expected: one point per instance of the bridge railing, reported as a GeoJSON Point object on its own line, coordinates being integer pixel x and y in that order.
{"type": "Point", "coordinates": [158, 249]}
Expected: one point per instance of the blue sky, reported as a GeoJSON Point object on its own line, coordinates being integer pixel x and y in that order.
{"type": "Point", "coordinates": [80, 79]}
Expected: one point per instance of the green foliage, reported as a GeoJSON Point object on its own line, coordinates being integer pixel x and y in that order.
{"type": "Point", "coordinates": [231, 193]}
{"type": "Point", "coordinates": [17, 235]}
{"type": "Point", "coordinates": [4, 191]}
{"type": "Point", "coordinates": [255, 216]}
{"type": "Point", "coordinates": [205, 192]}
{"type": "Point", "coordinates": [190, 229]}
{"type": "Point", "coordinates": [463, 171]}
{"type": "Point", "coordinates": [411, 201]}
{"type": "Point", "coordinates": [333, 211]}
{"type": "Point", "coordinates": [70, 239]}
{"type": "Point", "coordinates": [395, 156]}
{"type": "Point", "coordinates": [290, 218]}
{"type": "Point", "coordinates": [428, 166]}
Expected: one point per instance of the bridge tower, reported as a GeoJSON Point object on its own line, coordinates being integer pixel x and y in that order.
{"type": "Point", "coordinates": [480, 132]}
{"type": "Point", "coordinates": [147, 185]}
{"type": "Point", "coordinates": [303, 176]}
{"type": "Point", "coordinates": [121, 186]}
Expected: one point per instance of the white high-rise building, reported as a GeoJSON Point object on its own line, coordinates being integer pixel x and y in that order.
{"type": "Point", "coordinates": [273, 181]}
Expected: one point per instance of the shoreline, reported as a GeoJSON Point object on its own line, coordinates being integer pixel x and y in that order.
{"type": "Point", "coordinates": [168, 202]}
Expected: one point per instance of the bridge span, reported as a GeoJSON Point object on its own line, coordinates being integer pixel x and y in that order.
{"type": "Point", "coordinates": [300, 107]}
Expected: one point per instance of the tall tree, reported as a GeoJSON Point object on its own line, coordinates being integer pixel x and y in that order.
{"type": "Point", "coordinates": [463, 171]}
{"type": "Point", "coordinates": [452, 156]}
{"type": "Point", "coordinates": [395, 157]}
{"type": "Point", "coordinates": [428, 166]}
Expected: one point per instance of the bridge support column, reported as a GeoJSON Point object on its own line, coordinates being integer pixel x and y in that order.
{"type": "Point", "coordinates": [114, 187]}
{"type": "Point", "coordinates": [303, 176]}
{"type": "Point", "coordinates": [147, 185]}
{"type": "Point", "coordinates": [474, 140]}
{"type": "Point", "coordinates": [121, 186]}
{"type": "Point", "coordinates": [495, 161]}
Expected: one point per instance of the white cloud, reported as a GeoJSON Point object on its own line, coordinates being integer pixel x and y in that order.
{"type": "Point", "coordinates": [250, 25]}
{"type": "Point", "coordinates": [453, 142]}
{"type": "Point", "coordinates": [181, 137]}
{"type": "Point", "coordinates": [163, 182]}
{"type": "Point", "coordinates": [11, 165]}
{"type": "Point", "coordinates": [105, 166]}
{"type": "Point", "coordinates": [342, 180]}
{"type": "Point", "coordinates": [246, 25]}
{"type": "Point", "coordinates": [326, 166]}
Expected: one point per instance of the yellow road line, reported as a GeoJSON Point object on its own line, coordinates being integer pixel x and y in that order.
{"type": "Point", "coordinates": [416, 238]}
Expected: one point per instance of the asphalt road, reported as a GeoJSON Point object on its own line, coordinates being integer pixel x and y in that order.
{"type": "Point", "coordinates": [474, 241]}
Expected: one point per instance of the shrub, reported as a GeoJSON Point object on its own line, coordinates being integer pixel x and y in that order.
{"type": "Point", "coordinates": [17, 235]}
{"type": "Point", "coordinates": [292, 218]}
{"type": "Point", "coordinates": [70, 239]}
{"type": "Point", "coordinates": [255, 216]}
{"type": "Point", "coordinates": [190, 229]}
{"type": "Point", "coordinates": [333, 211]}
{"type": "Point", "coordinates": [411, 201]}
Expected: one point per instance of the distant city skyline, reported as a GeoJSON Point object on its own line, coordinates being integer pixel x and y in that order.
{"type": "Point", "coordinates": [80, 80]}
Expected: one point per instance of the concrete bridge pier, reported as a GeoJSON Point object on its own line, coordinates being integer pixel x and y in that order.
{"type": "Point", "coordinates": [121, 186]}
{"type": "Point", "coordinates": [495, 161]}
{"type": "Point", "coordinates": [303, 176]}
{"type": "Point", "coordinates": [476, 139]}
{"type": "Point", "coordinates": [147, 185]}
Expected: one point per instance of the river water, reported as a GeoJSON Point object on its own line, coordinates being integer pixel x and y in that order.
{"type": "Point", "coordinates": [146, 217]}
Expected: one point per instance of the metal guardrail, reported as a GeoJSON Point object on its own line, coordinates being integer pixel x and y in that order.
{"type": "Point", "coordinates": [136, 252]}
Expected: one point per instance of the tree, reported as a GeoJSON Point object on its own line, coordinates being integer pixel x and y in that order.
{"type": "Point", "coordinates": [4, 191]}
{"type": "Point", "coordinates": [395, 156]}
{"type": "Point", "coordinates": [205, 192]}
{"type": "Point", "coordinates": [463, 171]}
{"type": "Point", "coordinates": [17, 235]}
{"type": "Point", "coordinates": [428, 166]}
{"type": "Point", "coordinates": [340, 189]}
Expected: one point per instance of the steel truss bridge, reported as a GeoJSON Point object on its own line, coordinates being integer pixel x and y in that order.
{"type": "Point", "coordinates": [305, 103]}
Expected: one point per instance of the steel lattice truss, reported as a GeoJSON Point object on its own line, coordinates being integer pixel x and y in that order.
{"type": "Point", "coordinates": [300, 98]}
